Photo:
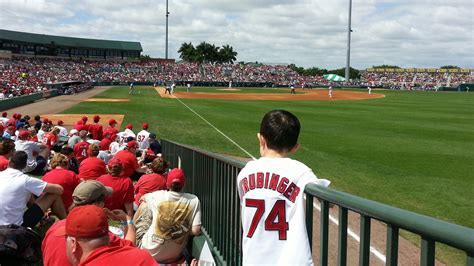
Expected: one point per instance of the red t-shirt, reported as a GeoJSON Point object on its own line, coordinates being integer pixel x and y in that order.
{"type": "Point", "coordinates": [54, 247]}
{"type": "Point", "coordinates": [67, 179]}
{"type": "Point", "coordinates": [96, 131]}
{"type": "Point", "coordinates": [3, 162]}
{"type": "Point", "coordinates": [91, 168]}
{"type": "Point", "coordinates": [113, 131]}
{"type": "Point", "coordinates": [50, 139]}
{"type": "Point", "coordinates": [149, 183]}
{"type": "Point", "coordinates": [123, 191]}
{"type": "Point", "coordinates": [105, 144]}
{"type": "Point", "coordinates": [119, 256]}
{"type": "Point", "coordinates": [79, 127]}
{"type": "Point", "coordinates": [129, 161]}
{"type": "Point", "coordinates": [80, 150]}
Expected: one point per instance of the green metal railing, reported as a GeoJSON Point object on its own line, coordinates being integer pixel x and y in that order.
{"type": "Point", "coordinates": [213, 179]}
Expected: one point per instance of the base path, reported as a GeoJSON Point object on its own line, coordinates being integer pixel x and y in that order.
{"type": "Point", "coordinates": [303, 95]}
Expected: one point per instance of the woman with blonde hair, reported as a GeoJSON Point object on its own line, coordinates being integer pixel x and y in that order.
{"type": "Point", "coordinates": [60, 175]}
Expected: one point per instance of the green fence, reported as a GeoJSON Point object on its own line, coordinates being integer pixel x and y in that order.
{"type": "Point", "coordinates": [19, 101]}
{"type": "Point", "coordinates": [213, 179]}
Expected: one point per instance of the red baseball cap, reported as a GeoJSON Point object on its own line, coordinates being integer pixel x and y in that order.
{"type": "Point", "coordinates": [96, 118]}
{"type": "Point", "coordinates": [176, 175]}
{"type": "Point", "coordinates": [60, 122]}
{"type": "Point", "coordinates": [145, 126]}
{"type": "Point", "coordinates": [45, 120]}
{"type": "Point", "coordinates": [23, 134]}
{"type": "Point", "coordinates": [132, 144]}
{"type": "Point", "coordinates": [2, 128]}
{"type": "Point", "coordinates": [14, 115]}
{"type": "Point", "coordinates": [88, 221]}
{"type": "Point", "coordinates": [112, 121]}
{"type": "Point", "coordinates": [4, 114]}
{"type": "Point", "coordinates": [11, 127]}
{"type": "Point", "coordinates": [84, 118]}
{"type": "Point", "coordinates": [129, 126]}
{"type": "Point", "coordinates": [114, 162]}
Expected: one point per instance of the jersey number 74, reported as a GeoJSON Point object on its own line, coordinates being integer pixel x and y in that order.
{"type": "Point", "coordinates": [278, 213]}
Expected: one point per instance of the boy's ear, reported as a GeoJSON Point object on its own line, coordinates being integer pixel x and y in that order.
{"type": "Point", "coordinates": [261, 140]}
{"type": "Point", "coordinates": [295, 148]}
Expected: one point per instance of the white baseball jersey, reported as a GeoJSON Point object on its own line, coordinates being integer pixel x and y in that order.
{"type": "Point", "coordinates": [4, 120]}
{"type": "Point", "coordinates": [124, 135]}
{"type": "Point", "coordinates": [273, 212]}
{"type": "Point", "coordinates": [142, 139]}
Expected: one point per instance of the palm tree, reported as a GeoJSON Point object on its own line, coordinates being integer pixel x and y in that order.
{"type": "Point", "coordinates": [227, 54]}
{"type": "Point", "coordinates": [187, 52]}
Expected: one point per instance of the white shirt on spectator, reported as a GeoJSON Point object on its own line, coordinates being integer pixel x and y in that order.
{"type": "Point", "coordinates": [15, 191]}
{"type": "Point", "coordinates": [30, 148]}
{"type": "Point", "coordinates": [62, 131]}
{"type": "Point", "coordinates": [4, 120]}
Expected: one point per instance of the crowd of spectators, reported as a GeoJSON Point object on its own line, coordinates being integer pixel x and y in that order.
{"type": "Point", "coordinates": [90, 194]}
{"type": "Point", "coordinates": [23, 76]}
{"type": "Point", "coordinates": [415, 80]}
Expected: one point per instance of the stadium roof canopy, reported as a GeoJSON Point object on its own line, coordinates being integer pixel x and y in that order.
{"type": "Point", "coordinates": [68, 41]}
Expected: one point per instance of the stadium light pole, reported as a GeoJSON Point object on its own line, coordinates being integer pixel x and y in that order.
{"type": "Point", "coordinates": [349, 30]}
{"type": "Point", "coordinates": [167, 15]}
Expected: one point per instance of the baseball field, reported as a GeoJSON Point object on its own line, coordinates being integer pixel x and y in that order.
{"type": "Point", "coordinates": [412, 150]}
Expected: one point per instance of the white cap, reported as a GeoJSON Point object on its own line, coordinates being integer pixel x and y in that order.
{"type": "Point", "coordinates": [73, 131]}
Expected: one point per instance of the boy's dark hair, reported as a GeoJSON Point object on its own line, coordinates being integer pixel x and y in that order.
{"type": "Point", "coordinates": [6, 145]}
{"type": "Point", "coordinates": [18, 160]}
{"type": "Point", "coordinates": [280, 129]}
{"type": "Point", "coordinates": [37, 118]}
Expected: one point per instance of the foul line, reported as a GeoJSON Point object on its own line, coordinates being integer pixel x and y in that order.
{"type": "Point", "coordinates": [352, 234]}
{"type": "Point", "coordinates": [209, 123]}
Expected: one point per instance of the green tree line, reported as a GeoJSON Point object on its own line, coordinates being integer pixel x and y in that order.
{"type": "Point", "coordinates": [207, 53]}
{"type": "Point", "coordinates": [315, 71]}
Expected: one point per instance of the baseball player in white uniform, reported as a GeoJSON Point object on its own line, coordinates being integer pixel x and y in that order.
{"type": "Point", "coordinates": [271, 193]}
{"type": "Point", "coordinates": [142, 137]}
{"type": "Point", "coordinates": [370, 90]}
{"type": "Point", "coordinates": [126, 133]}
{"type": "Point", "coordinates": [330, 91]}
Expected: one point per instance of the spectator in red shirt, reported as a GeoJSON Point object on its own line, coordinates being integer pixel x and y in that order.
{"type": "Point", "coordinates": [89, 192]}
{"type": "Point", "coordinates": [60, 175]}
{"type": "Point", "coordinates": [122, 198]}
{"type": "Point", "coordinates": [105, 142]}
{"type": "Point", "coordinates": [129, 159]}
{"type": "Point", "coordinates": [87, 241]}
{"type": "Point", "coordinates": [153, 181]}
{"type": "Point", "coordinates": [51, 139]}
{"type": "Point", "coordinates": [7, 149]}
{"type": "Point", "coordinates": [80, 149]}
{"type": "Point", "coordinates": [92, 167]}
{"type": "Point", "coordinates": [96, 129]}
{"type": "Point", "coordinates": [111, 129]}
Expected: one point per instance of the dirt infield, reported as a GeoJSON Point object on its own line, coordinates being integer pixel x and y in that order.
{"type": "Point", "coordinates": [106, 100]}
{"type": "Point", "coordinates": [306, 95]}
{"type": "Point", "coordinates": [71, 119]}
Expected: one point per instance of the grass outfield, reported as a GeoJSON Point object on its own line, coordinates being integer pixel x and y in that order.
{"type": "Point", "coordinates": [412, 150]}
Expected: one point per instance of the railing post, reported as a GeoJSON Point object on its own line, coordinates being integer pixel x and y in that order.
{"type": "Point", "coordinates": [427, 252]}
{"type": "Point", "coordinates": [309, 219]}
{"type": "Point", "coordinates": [324, 233]}
{"type": "Point", "coordinates": [364, 250]}
{"type": "Point", "coordinates": [342, 239]}
{"type": "Point", "coordinates": [392, 245]}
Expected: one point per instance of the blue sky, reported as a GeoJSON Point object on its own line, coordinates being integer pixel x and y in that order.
{"type": "Point", "coordinates": [418, 33]}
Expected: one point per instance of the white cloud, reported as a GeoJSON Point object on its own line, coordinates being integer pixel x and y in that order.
{"type": "Point", "coordinates": [418, 33]}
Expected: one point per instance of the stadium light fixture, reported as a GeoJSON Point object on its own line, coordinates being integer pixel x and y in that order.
{"type": "Point", "coordinates": [349, 30]}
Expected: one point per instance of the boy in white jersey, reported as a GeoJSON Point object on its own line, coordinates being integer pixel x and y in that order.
{"type": "Point", "coordinates": [271, 193]}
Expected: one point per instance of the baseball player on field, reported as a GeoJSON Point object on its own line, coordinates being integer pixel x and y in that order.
{"type": "Point", "coordinates": [330, 91]}
{"type": "Point", "coordinates": [271, 193]}
{"type": "Point", "coordinates": [370, 90]}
